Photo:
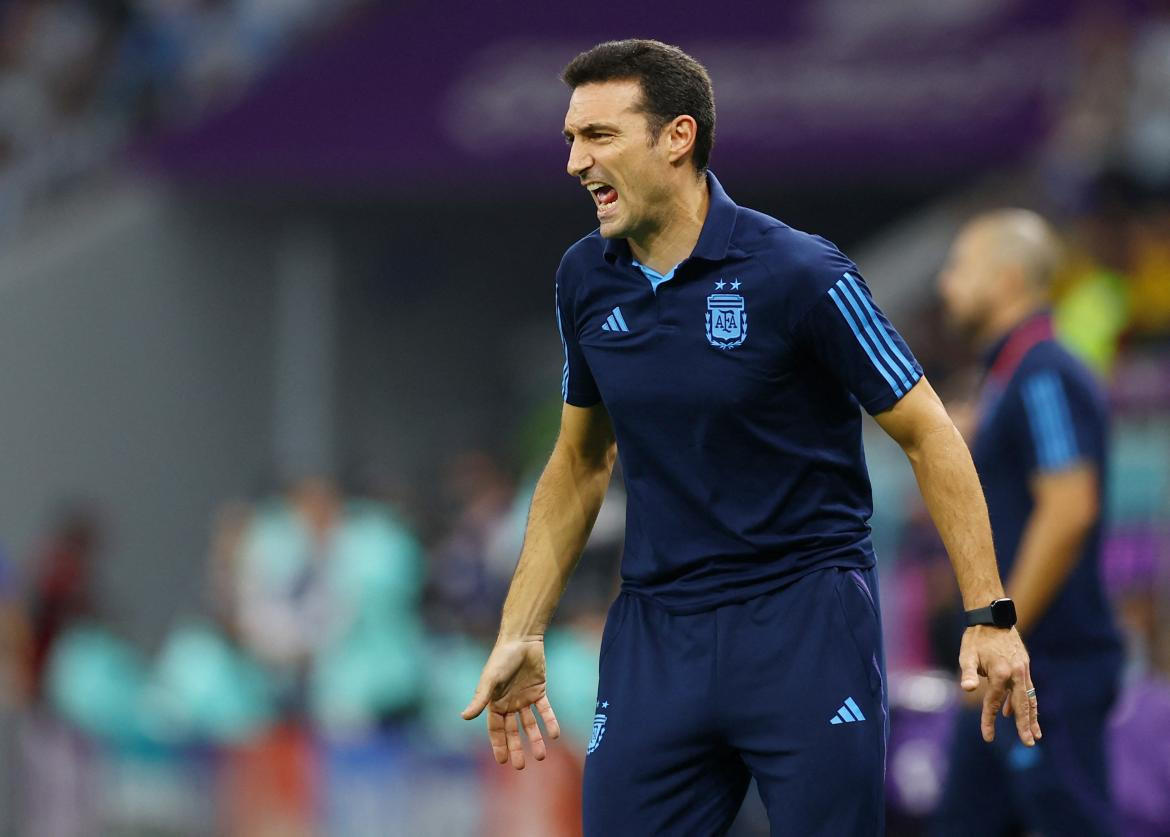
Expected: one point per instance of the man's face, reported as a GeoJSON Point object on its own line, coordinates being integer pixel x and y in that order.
{"type": "Point", "coordinates": [968, 282]}
{"type": "Point", "coordinates": [611, 155]}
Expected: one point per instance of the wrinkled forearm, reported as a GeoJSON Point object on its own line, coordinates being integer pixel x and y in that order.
{"type": "Point", "coordinates": [950, 487]}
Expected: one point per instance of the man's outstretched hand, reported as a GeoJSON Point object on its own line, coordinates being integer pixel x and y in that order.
{"type": "Point", "coordinates": [999, 655]}
{"type": "Point", "coordinates": [512, 683]}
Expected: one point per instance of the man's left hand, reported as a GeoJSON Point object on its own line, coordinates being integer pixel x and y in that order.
{"type": "Point", "coordinates": [999, 655]}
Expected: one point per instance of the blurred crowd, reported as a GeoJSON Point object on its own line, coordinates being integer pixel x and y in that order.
{"type": "Point", "coordinates": [81, 78]}
{"type": "Point", "coordinates": [331, 652]}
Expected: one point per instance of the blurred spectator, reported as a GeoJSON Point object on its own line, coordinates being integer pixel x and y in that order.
{"type": "Point", "coordinates": [1150, 272]}
{"type": "Point", "coordinates": [203, 688]}
{"type": "Point", "coordinates": [1146, 140]}
{"type": "Point", "coordinates": [57, 793]}
{"type": "Point", "coordinates": [1091, 294]}
{"type": "Point", "coordinates": [469, 577]}
{"type": "Point", "coordinates": [62, 586]}
{"type": "Point", "coordinates": [283, 606]}
{"type": "Point", "coordinates": [329, 597]}
{"type": "Point", "coordinates": [1116, 284]}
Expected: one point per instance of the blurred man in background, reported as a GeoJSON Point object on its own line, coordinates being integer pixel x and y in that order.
{"type": "Point", "coordinates": [63, 591]}
{"type": "Point", "coordinates": [746, 641]}
{"type": "Point", "coordinates": [1040, 448]}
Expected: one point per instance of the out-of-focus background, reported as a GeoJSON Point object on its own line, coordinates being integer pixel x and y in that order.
{"type": "Point", "coordinates": [279, 367]}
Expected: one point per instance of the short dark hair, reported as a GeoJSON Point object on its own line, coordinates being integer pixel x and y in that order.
{"type": "Point", "coordinates": [673, 84]}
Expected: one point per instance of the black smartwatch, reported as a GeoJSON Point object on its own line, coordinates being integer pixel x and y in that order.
{"type": "Point", "coordinates": [1001, 613]}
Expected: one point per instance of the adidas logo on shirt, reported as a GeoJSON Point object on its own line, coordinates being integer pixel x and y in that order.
{"type": "Point", "coordinates": [849, 713]}
{"type": "Point", "coordinates": [615, 321]}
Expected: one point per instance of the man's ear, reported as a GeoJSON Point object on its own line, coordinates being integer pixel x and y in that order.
{"type": "Point", "coordinates": [680, 135]}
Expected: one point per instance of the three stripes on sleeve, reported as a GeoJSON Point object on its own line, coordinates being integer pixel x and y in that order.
{"type": "Point", "coordinates": [1050, 421]}
{"type": "Point", "coordinates": [873, 334]}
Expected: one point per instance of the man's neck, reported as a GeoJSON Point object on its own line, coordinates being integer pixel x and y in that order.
{"type": "Point", "coordinates": [674, 240]}
{"type": "Point", "coordinates": [1007, 318]}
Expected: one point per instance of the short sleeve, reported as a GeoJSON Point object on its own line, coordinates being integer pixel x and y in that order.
{"type": "Point", "coordinates": [851, 338]}
{"type": "Point", "coordinates": [1059, 421]}
{"type": "Point", "coordinates": [577, 385]}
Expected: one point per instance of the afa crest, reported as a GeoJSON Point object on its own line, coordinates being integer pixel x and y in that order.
{"type": "Point", "coordinates": [598, 732]}
{"type": "Point", "coordinates": [726, 321]}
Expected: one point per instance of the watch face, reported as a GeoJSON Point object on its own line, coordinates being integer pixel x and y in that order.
{"type": "Point", "coordinates": [1003, 613]}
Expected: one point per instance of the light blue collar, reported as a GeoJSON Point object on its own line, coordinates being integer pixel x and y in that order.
{"type": "Point", "coordinates": [654, 276]}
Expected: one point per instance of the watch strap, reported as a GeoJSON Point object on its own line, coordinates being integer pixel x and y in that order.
{"type": "Point", "coordinates": [980, 616]}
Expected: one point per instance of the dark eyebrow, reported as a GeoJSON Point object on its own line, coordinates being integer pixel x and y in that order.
{"type": "Point", "coordinates": [591, 128]}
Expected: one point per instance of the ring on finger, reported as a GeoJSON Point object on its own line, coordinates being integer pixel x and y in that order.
{"type": "Point", "coordinates": [1031, 692]}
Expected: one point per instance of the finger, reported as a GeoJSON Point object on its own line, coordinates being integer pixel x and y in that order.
{"type": "Point", "coordinates": [515, 745]}
{"type": "Point", "coordinates": [496, 734]}
{"type": "Point", "coordinates": [992, 703]}
{"type": "Point", "coordinates": [532, 730]}
{"type": "Point", "coordinates": [550, 720]}
{"type": "Point", "coordinates": [478, 701]}
{"type": "Point", "coordinates": [1022, 705]}
{"type": "Point", "coordinates": [1007, 705]}
{"type": "Point", "coordinates": [969, 670]}
{"type": "Point", "coordinates": [1036, 731]}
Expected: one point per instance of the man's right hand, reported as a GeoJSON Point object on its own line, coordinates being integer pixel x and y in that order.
{"type": "Point", "coordinates": [512, 683]}
{"type": "Point", "coordinates": [998, 655]}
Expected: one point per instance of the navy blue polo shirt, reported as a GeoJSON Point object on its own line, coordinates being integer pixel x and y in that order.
{"type": "Point", "coordinates": [1042, 411]}
{"type": "Point", "coordinates": [734, 384]}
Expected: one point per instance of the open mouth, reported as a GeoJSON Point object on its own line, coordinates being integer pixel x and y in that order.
{"type": "Point", "coordinates": [604, 195]}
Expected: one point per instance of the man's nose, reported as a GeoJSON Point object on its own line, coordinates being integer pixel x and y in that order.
{"type": "Point", "coordinates": [579, 161]}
